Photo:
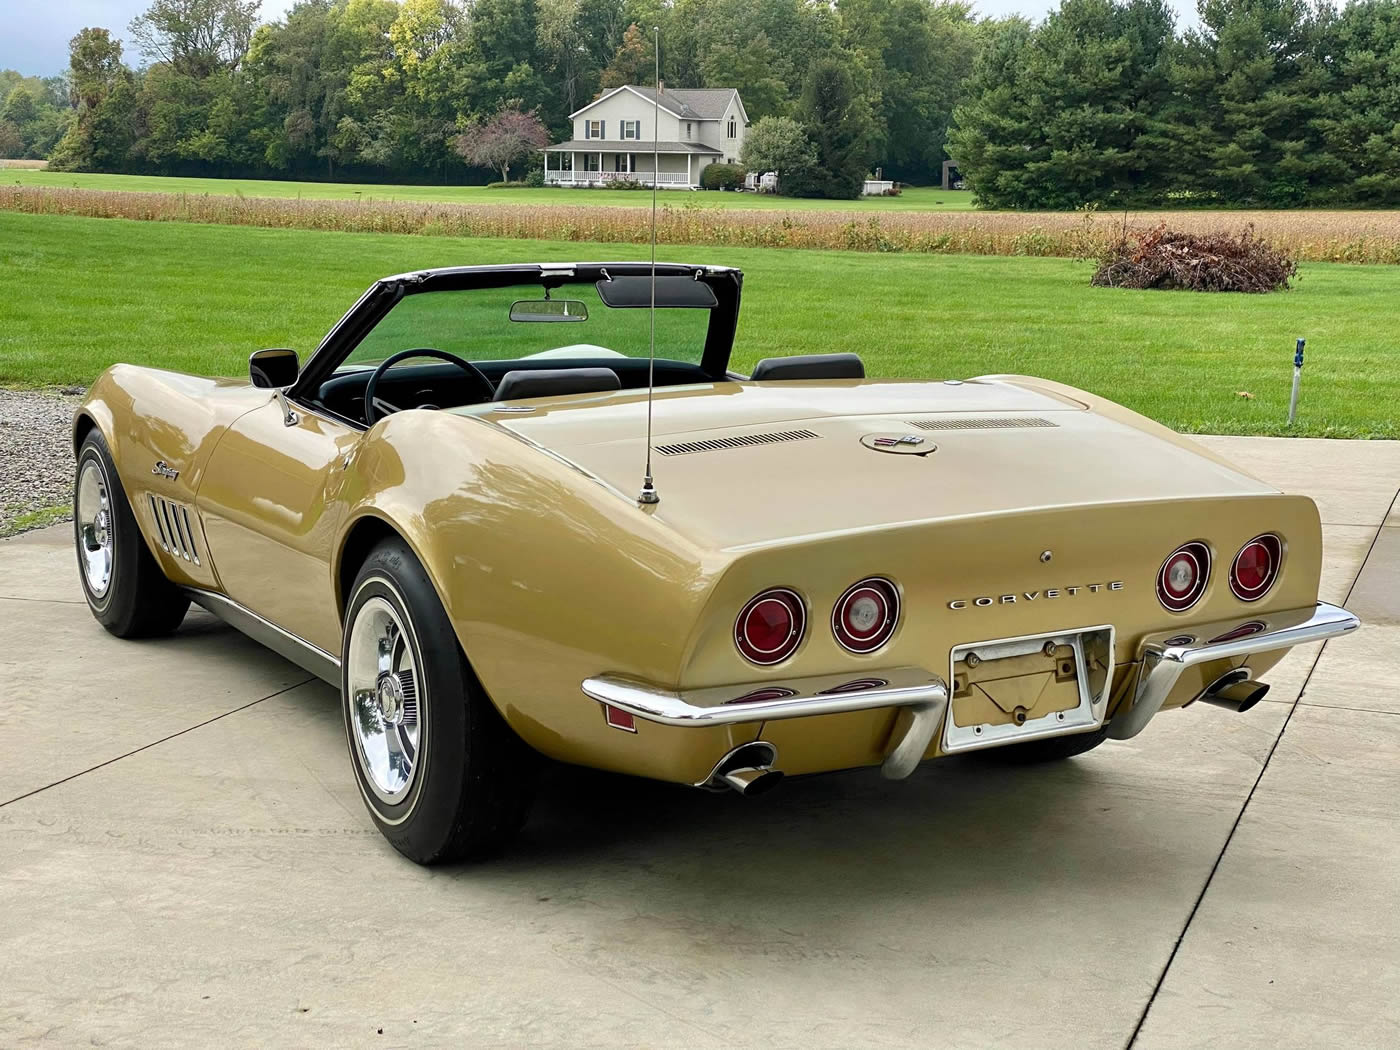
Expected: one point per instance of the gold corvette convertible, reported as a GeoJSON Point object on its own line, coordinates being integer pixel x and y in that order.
{"type": "Point", "coordinates": [505, 529]}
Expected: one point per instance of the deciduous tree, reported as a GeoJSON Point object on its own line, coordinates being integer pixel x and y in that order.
{"type": "Point", "coordinates": [197, 37]}
{"type": "Point", "coordinates": [634, 62]}
{"type": "Point", "coordinates": [780, 145]}
{"type": "Point", "coordinates": [510, 135]}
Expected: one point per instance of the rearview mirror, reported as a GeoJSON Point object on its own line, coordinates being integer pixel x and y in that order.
{"type": "Point", "coordinates": [273, 368]}
{"type": "Point", "coordinates": [547, 310]}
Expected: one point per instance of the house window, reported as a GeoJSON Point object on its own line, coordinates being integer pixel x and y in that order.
{"type": "Point", "coordinates": [632, 129]}
{"type": "Point", "coordinates": [733, 130]}
{"type": "Point", "coordinates": [687, 129]}
{"type": "Point", "coordinates": [592, 162]}
{"type": "Point", "coordinates": [594, 130]}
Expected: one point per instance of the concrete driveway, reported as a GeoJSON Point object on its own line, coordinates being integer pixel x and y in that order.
{"type": "Point", "coordinates": [184, 861]}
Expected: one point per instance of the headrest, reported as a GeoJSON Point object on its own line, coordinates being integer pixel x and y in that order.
{"type": "Point", "coordinates": [551, 382]}
{"type": "Point", "coordinates": [810, 366]}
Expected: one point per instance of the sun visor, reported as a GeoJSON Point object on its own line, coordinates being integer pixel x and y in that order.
{"type": "Point", "coordinates": [634, 293]}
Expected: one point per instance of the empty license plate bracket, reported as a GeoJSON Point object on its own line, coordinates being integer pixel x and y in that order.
{"type": "Point", "coordinates": [1089, 648]}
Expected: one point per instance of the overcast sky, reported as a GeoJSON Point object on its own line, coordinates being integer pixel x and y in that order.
{"type": "Point", "coordinates": [34, 34]}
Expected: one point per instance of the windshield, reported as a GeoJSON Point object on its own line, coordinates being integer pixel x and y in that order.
{"type": "Point", "coordinates": [476, 324]}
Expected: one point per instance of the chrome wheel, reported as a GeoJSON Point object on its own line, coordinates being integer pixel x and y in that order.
{"type": "Point", "coordinates": [94, 513]}
{"type": "Point", "coordinates": [383, 692]}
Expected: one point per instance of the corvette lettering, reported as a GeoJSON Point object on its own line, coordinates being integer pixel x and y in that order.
{"type": "Point", "coordinates": [1049, 594]}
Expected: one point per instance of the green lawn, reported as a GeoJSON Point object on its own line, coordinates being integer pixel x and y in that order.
{"type": "Point", "coordinates": [79, 294]}
{"type": "Point", "coordinates": [913, 199]}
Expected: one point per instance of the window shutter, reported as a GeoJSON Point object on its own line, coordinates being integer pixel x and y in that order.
{"type": "Point", "coordinates": [588, 129]}
{"type": "Point", "coordinates": [602, 129]}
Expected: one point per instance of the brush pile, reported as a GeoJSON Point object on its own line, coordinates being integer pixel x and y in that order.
{"type": "Point", "coordinates": [1195, 262]}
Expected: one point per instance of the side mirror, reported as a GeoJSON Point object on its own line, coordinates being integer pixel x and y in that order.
{"type": "Point", "coordinates": [273, 368]}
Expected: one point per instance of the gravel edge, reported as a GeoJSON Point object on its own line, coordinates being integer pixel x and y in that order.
{"type": "Point", "coordinates": [36, 459]}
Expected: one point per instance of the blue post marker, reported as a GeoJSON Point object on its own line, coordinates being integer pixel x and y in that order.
{"type": "Point", "coordinates": [1297, 378]}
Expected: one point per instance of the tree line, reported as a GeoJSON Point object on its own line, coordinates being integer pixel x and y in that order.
{"type": "Point", "coordinates": [381, 89]}
{"type": "Point", "coordinates": [1105, 102]}
{"type": "Point", "coordinates": [1268, 102]}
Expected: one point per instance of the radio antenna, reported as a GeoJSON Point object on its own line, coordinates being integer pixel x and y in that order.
{"type": "Point", "coordinates": [649, 493]}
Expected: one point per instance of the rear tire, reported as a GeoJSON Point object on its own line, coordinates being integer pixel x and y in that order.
{"type": "Point", "coordinates": [1054, 749]}
{"type": "Point", "coordinates": [124, 586]}
{"type": "Point", "coordinates": [442, 774]}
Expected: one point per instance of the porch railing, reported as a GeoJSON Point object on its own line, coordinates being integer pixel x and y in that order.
{"type": "Point", "coordinates": [583, 178]}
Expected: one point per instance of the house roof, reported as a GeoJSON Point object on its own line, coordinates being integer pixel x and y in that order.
{"type": "Point", "coordinates": [630, 146]}
{"type": "Point", "coordinates": [695, 103]}
{"type": "Point", "coordinates": [686, 103]}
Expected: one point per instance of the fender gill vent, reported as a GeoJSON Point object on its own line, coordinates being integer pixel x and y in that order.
{"type": "Point", "coordinates": [715, 444]}
{"type": "Point", "coordinates": [982, 423]}
{"type": "Point", "coordinates": [174, 529]}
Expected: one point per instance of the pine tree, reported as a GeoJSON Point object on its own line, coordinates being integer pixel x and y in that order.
{"type": "Point", "coordinates": [1064, 114]}
{"type": "Point", "coordinates": [1359, 124]}
{"type": "Point", "coordinates": [1247, 89]}
{"type": "Point", "coordinates": [838, 123]}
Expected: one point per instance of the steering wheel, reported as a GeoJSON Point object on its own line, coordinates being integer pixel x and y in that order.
{"type": "Point", "coordinates": [374, 408]}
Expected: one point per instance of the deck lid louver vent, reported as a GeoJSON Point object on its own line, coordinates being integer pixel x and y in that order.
{"type": "Point", "coordinates": [683, 448]}
{"type": "Point", "coordinates": [982, 423]}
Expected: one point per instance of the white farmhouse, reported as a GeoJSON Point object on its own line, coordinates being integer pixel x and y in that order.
{"type": "Point", "coordinates": [613, 135]}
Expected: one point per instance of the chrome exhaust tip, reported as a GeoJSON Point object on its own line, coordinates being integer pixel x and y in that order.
{"type": "Point", "coordinates": [747, 769]}
{"type": "Point", "coordinates": [1239, 695]}
{"type": "Point", "coordinates": [751, 781]}
{"type": "Point", "coordinates": [1235, 691]}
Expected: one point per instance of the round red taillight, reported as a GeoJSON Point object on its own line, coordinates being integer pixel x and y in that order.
{"type": "Point", "coordinates": [770, 627]}
{"type": "Point", "coordinates": [866, 615]}
{"type": "Point", "coordinates": [1256, 567]}
{"type": "Point", "coordinates": [1182, 579]}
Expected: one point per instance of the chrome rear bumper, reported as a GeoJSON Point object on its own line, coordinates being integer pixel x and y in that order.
{"type": "Point", "coordinates": [1165, 656]}
{"type": "Point", "coordinates": [925, 695]}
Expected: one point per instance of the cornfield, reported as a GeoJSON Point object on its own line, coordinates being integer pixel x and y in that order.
{"type": "Point", "coordinates": [1310, 236]}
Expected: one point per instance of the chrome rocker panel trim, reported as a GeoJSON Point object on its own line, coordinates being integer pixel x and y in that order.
{"type": "Point", "coordinates": [1163, 663]}
{"type": "Point", "coordinates": [281, 641]}
{"type": "Point", "coordinates": [922, 693]}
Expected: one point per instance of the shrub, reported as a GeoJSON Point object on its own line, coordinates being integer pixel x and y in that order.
{"type": "Point", "coordinates": [625, 184]}
{"type": "Point", "coordinates": [722, 177]}
{"type": "Point", "coordinates": [1197, 262]}
{"type": "Point", "coordinates": [535, 178]}
{"type": "Point", "coordinates": [506, 185]}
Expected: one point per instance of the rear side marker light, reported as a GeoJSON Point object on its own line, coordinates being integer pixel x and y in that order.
{"type": "Point", "coordinates": [770, 627]}
{"type": "Point", "coordinates": [775, 692]}
{"type": "Point", "coordinates": [860, 685]}
{"type": "Point", "coordinates": [865, 617]}
{"type": "Point", "coordinates": [1183, 576]}
{"type": "Point", "coordinates": [1256, 567]}
{"type": "Point", "coordinates": [619, 719]}
{"type": "Point", "coordinates": [1244, 630]}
